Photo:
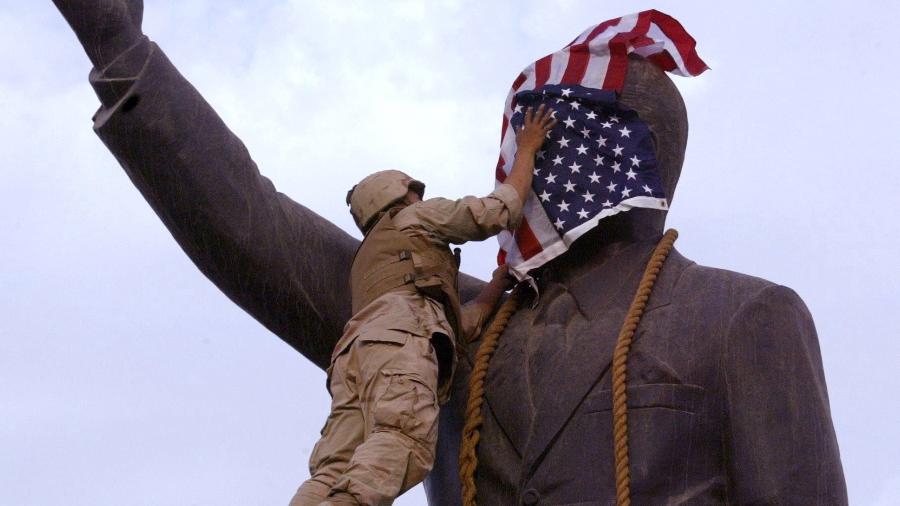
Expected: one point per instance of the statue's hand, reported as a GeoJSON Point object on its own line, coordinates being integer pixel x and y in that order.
{"type": "Point", "coordinates": [105, 28]}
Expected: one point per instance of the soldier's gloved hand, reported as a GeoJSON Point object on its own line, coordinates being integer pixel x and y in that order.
{"type": "Point", "coordinates": [105, 28]}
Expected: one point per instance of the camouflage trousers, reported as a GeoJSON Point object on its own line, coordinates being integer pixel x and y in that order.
{"type": "Point", "coordinates": [380, 437]}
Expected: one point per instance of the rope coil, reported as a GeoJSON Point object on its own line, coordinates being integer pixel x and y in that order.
{"type": "Point", "coordinates": [468, 458]}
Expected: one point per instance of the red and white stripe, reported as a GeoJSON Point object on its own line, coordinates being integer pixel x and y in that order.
{"type": "Point", "coordinates": [597, 58]}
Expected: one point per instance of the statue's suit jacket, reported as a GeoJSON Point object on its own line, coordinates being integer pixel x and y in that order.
{"type": "Point", "coordinates": [726, 387]}
{"type": "Point", "coordinates": [726, 394]}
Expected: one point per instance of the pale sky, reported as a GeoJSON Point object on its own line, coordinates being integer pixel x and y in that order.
{"type": "Point", "coordinates": [790, 175]}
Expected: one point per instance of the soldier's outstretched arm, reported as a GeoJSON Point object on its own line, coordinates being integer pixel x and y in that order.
{"type": "Point", "coordinates": [278, 260]}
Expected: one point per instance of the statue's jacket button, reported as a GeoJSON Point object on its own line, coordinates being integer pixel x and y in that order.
{"type": "Point", "coordinates": [531, 497]}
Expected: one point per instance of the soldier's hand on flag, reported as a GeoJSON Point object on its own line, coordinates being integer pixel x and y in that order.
{"type": "Point", "coordinates": [534, 129]}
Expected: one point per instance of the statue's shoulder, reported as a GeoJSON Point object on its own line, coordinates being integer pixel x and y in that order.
{"type": "Point", "coordinates": [741, 313]}
{"type": "Point", "coordinates": [722, 290]}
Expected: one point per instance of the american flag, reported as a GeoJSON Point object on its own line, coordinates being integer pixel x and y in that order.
{"type": "Point", "coordinates": [599, 159]}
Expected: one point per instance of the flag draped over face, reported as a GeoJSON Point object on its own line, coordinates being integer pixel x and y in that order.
{"type": "Point", "coordinates": [599, 159]}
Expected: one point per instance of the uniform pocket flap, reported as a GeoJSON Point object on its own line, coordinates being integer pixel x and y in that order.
{"type": "Point", "coordinates": [675, 396]}
{"type": "Point", "coordinates": [385, 336]}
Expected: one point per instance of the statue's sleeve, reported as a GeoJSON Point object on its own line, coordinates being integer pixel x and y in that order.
{"type": "Point", "coordinates": [282, 263]}
{"type": "Point", "coordinates": [780, 442]}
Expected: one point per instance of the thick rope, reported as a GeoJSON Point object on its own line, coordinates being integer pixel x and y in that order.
{"type": "Point", "coordinates": [620, 365]}
{"type": "Point", "coordinates": [468, 458]}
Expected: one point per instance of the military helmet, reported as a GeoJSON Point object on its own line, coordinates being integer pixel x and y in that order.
{"type": "Point", "coordinates": [377, 192]}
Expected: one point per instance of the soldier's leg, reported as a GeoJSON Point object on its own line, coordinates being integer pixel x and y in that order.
{"type": "Point", "coordinates": [397, 390]}
{"type": "Point", "coordinates": [343, 432]}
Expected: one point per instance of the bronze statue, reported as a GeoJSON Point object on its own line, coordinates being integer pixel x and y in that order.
{"type": "Point", "coordinates": [727, 397]}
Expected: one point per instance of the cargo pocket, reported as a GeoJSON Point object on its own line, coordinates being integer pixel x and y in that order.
{"type": "Point", "coordinates": [408, 405]}
{"type": "Point", "coordinates": [385, 336]}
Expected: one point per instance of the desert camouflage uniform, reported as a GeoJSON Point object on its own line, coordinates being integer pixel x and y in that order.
{"type": "Point", "coordinates": [379, 439]}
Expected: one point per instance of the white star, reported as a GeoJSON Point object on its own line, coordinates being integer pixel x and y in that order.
{"type": "Point", "coordinates": [563, 142]}
{"type": "Point", "coordinates": [625, 132]}
{"type": "Point", "coordinates": [536, 171]}
{"type": "Point", "coordinates": [611, 187]}
{"type": "Point", "coordinates": [617, 167]}
{"type": "Point", "coordinates": [626, 192]}
{"type": "Point", "coordinates": [583, 214]}
{"type": "Point", "coordinates": [601, 142]}
{"type": "Point", "coordinates": [540, 154]}
{"type": "Point", "coordinates": [575, 105]}
{"type": "Point", "coordinates": [582, 149]}
{"type": "Point", "coordinates": [570, 123]}
{"type": "Point", "coordinates": [550, 178]}
{"type": "Point", "coordinates": [558, 160]}
{"type": "Point", "coordinates": [635, 161]}
{"type": "Point", "coordinates": [575, 167]}
{"type": "Point", "coordinates": [585, 132]}
{"type": "Point", "coordinates": [563, 206]}
{"type": "Point", "coordinates": [648, 190]}
{"type": "Point", "coordinates": [545, 196]}
{"type": "Point", "coordinates": [588, 196]}
{"type": "Point", "coordinates": [614, 119]}
{"type": "Point", "coordinates": [618, 150]}
{"type": "Point", "coordinates": [558, 223]}
{"type": "Point", "coordinates": [595, 178]}
{"type": "Point", "coordinates": [518, 108]}
{"type": "Point", "coordinates": [554, 113]}
{"type": "Point", "coordinates": [631, 173]}
{"type": "Point", "coordinates": [566, 92]}
{"type": "Point", "coordinates": [547, 135]}
{"type": "Point", "coordinates": [598, 161]}
{"type": "Point", "coordinates": [558, 100]}
{"type": "Point", "coordinates": [607, 203]}
{"type": "Point", "coordinates": [606, 124]}
{"type": "Point", "coordinates": [570, 186]}
{"type": "Point", "coordinates": [591, 115]}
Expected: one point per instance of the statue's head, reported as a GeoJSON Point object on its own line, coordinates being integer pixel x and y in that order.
{"type": "Point", "coordinates": [653, 95]}
{"type": "Point", "coordinates": [650, 92]}
{"type": "Point", "coordinates": [608, 86]}
{"type": "Point", "coordinates": [378, 192]}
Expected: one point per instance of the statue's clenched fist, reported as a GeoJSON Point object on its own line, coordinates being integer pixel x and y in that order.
{"type": "Point", "coordinates": [105, 28]}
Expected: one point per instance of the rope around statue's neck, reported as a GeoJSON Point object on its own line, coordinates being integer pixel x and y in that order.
{"type": "Point", "coordinates": [468, 457]}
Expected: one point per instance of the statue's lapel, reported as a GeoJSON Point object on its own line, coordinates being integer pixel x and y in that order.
{"type": "Point", "coordinates": [553, 355]}
{"type": "Point", "coordinates": [585, 342]}
{"type": "Point", "coordinates": [506, 384]}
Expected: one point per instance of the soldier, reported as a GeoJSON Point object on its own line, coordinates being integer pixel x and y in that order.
{"type": "Point", "coordinates": [392, 367]}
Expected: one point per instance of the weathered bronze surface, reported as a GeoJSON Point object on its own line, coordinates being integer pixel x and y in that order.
{"type": "Point", "coordinates": [727, 396]}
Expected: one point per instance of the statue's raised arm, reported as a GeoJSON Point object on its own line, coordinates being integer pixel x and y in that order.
{"type": "Point", "coordinates": [278, 260]}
